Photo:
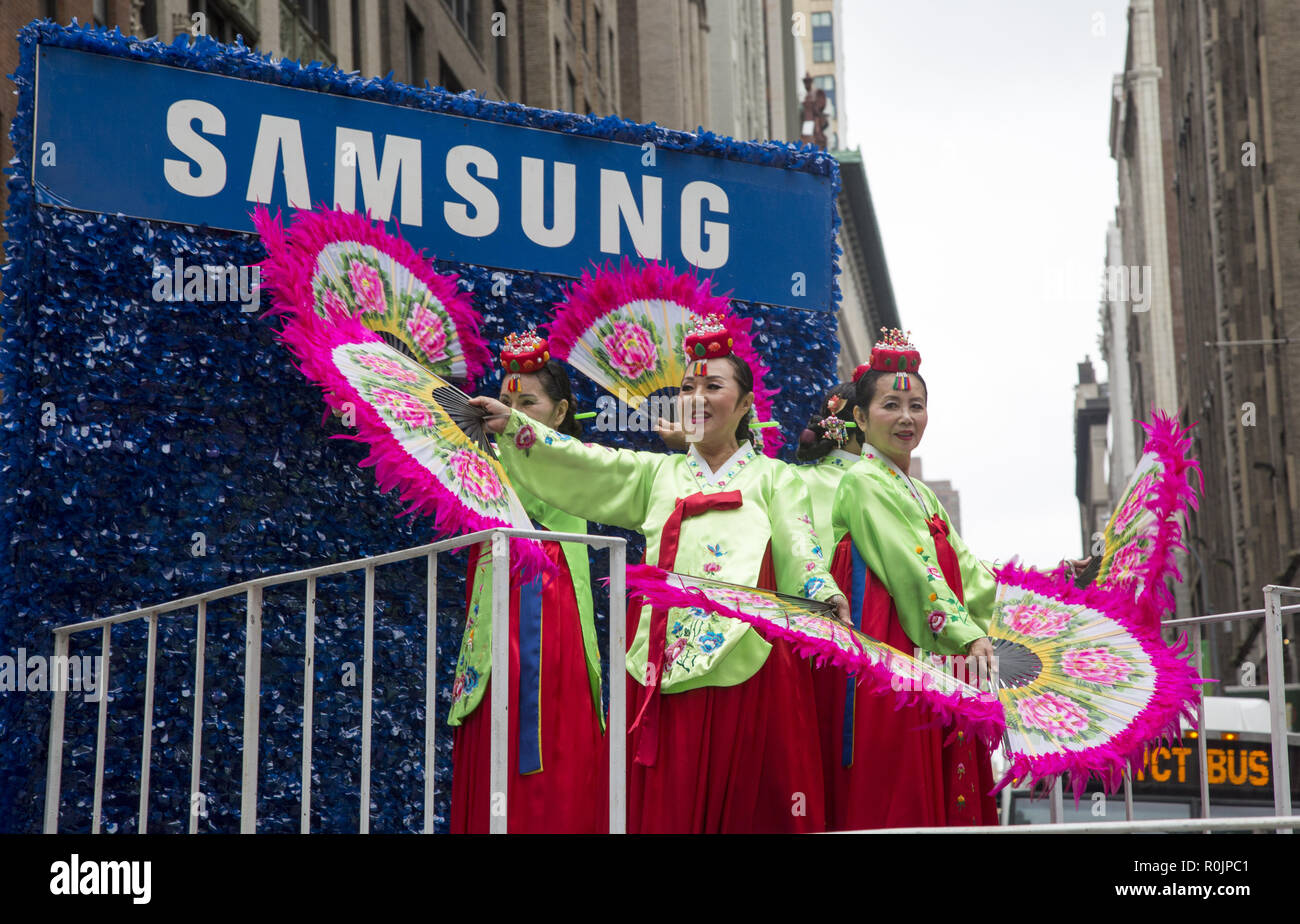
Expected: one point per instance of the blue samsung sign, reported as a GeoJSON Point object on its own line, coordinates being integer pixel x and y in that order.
{"type": "Point", "coordinates": [158, 142]}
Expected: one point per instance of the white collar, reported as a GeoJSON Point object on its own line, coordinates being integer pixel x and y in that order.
{"type": "Point", "coordinates": [844, 454]}
{"type": "Point", "coordinates": [725, 473]}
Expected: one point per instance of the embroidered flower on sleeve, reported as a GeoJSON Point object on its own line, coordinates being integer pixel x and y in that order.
{"type": "Point", "coordinates": [712, 567]}
{"type": "Point", "coordinates": [710, 641]}
{"type": "Point", "coordinates": [937, 621]}
{"type": "Point", "coordinates": [812, 585]}
{"type": "Point", "coordinates": [673, 650]}
{"type": "Point", "coordinates": [525, 438]}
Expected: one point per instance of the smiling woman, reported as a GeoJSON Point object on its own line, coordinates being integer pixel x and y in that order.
{"type": "Point", "coordinates": [918, 588]}
{"type": "Point", "coordinates": [722, 738]}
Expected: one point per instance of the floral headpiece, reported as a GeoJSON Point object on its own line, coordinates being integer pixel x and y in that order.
{"type": "Point", "coordinates": [522, 354]}
{"type": "Point", "coordinates": [710, 339]}
{"type": "Point", "coordinates": [893, 352]}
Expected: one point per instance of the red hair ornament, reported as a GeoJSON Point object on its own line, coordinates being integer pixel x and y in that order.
{"type": "Point", "coordinates": [894, 353]}
{"type": "Point", "coordinates": [522, 354]}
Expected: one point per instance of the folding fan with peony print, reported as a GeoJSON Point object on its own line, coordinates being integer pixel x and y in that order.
{"type": "Point", "coordinates": [813, 632]}
{"type": "Point", "coordinates": [369, 322]}
{"type": "Point", "coordinates": [1087, 685]}
{"type": "Point", "coordinates": [625, 329]}
{"type": "Point", "coordinates": [1142, 533]}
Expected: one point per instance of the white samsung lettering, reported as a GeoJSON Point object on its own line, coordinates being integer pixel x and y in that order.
{"type": "Point", "coordinates": [211, 178]}
{"type": "Point", "coordinates": [549, 193]}
{"type": "Point", "coordinates": [695, 196]}
{"type": "Point", "coordinates": [279, 139]}
{"type": "Point", "coordinates": [103, 877]}
{"type": "Point", "coordinates": [644, 224]}
{"type": "Point", "coordinates": [486, 210]}
{"type": "Point", "coordinates": [402, 158]}
{"type": "Point", "coordinates": [532, 175]}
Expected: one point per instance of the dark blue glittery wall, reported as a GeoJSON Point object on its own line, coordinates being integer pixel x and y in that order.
{"type": "Point", "coordinates": [176, 418]}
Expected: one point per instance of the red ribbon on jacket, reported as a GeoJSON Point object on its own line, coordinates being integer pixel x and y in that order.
{"type": "Point", "coordinates": [947, 555]}
{"type": "Point", "coordinates": [647, 719]}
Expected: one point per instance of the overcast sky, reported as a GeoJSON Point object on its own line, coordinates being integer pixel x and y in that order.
{"type": "Point", "coordinates": [984, 132]}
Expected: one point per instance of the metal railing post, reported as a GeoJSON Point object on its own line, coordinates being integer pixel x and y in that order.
{"type": "Point", "coordinates": [1202, 753]}
{"type": "Point", "coordinates": [308, 705]}
{"type": "Point", "coordinates": [54, 760]}
{"type": "Point", "coordinates": [367, 685]}
{"type": "Point", "coordinates": [146, 745]}
{"type": "Point", "coordinates": [1277, 699]}
{"type": "Point", "coordinates": [616, 730]}
{"type": "Point", "coordinates": [252, 711]}
{"type": "Point", "coordinates": [102, 731]}
{"type": "Point", "coordinates": [499, 691]}
{"type": "Point", "coordinates": [196, 747]}
{"type": "Point", "coordinates": [430, 688]}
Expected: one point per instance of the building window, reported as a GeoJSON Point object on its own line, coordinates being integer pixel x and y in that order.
{"type": "Point", "coordinates": [826, 83]}
{"type": "Point", "coordinates": [465, 12]}
{"type": "Point", "coordinates": [304, 30]}
{"type": "Point", "coordinates": [599, 39]}
{"type": "Point", "coordinates": [570, 91]}
{"type": "Point", "coordinates": [613, 60]}
{"type": "Point", "coordinates": [415, 69]}
{"type": "Point", "coordinates": [225, 21]}
{"type": "Point", "coordinates": [354, 15]}
{"type": "Point", "coordinates": [823, 38]}
{"type": "Point", "coordinates": [447, 78]}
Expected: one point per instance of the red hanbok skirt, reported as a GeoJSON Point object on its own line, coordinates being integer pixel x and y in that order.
{"type": "Point", "coordinates": [732, 760]}
{"type": "Point", "coordinates": [570, 795]}
{"type": "Point", "coordinates": [901, 774]}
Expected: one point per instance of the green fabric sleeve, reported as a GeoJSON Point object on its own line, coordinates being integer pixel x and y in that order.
{"type": "Point", "coordinates": [801, 568]}
{"type": "Point", "coordinates": [894, 542]}
{"type": "Point", "coordinates": [597, 483]}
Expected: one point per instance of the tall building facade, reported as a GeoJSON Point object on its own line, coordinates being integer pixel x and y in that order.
{"type": "Point", "coordinates": [738, 51]}
{"type": "Point", "coordinates": [1209, 107]}
{"type": "Point", "coordinates": [819, 51]}
{"type": "Point", "coordinates": [866, 293]}
{"type": "Point", "coordinates": [664, 62]}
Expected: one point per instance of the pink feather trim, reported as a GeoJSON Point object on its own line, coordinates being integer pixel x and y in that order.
{"type": "Point", "coordinates": [982, 717]}
{"type": "Point", "coordinates": [312, 344]}
{"type": "Point", "coordinates": [596, 294]}
{"type": "Point", "coordinates": [1176, 694]}
{"type": "Point", "coordinates": [1172, 498]}
{"type": "Point", "coordinates": [287, 272]}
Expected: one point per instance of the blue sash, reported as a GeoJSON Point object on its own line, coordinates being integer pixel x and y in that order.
{"type": "Point", "coordinates": [530, 676]}
{"type": "Point", "coordinates": [850, 690]}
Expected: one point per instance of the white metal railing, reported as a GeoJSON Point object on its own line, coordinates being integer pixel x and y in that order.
{"type": "Point", "coordinates": [1279, 737]}
{"type": "Point", "coordinates": [252, 683]}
